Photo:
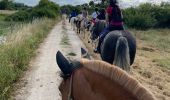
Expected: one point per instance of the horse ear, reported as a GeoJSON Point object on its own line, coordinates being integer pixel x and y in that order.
{"type": "Point", "coordinates": [63, 64]}
{"type": "Point", "coordinates": [85, 54]}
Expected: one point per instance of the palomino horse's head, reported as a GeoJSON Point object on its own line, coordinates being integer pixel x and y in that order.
{"type": "Point", "coordinates": [97, 80]}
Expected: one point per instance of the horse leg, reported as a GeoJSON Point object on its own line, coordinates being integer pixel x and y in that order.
{"type": "Point", "coordinates": [84, 33]}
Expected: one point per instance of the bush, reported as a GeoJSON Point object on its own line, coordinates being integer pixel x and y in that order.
{"type": "Point", "coordinates": [138, 20]}
{"type": "Point", "coordinates": [148, 16]}
{"type": "Point", "coordinates": [19, 16]}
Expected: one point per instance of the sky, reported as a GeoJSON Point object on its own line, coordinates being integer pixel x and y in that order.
{"type": "Point", "coordinates": [60, 2]}
{"type": "Point", "coordinates": [123, 3]}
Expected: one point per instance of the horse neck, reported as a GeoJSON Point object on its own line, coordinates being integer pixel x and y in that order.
{"type": "Point", "coordinates": [93, 86]}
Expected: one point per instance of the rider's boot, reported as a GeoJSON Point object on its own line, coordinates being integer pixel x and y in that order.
{"type": "Point", "coordinates": [97, 50]}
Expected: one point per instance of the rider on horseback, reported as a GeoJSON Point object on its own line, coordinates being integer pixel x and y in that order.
{"type": "Point", "coordinates": [114, 20]}
{"type": "Point", "coordinates": [73, 14]}
{"type": "Point", "coordinates": [94, 15]}
{"type": "Point", "coordinates": [85, 15]}
{"type": "Point", "coordinates": [102, 15]}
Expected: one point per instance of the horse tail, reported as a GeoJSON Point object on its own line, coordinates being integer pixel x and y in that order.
{"type": "Point", "coordinates": [122, 57]}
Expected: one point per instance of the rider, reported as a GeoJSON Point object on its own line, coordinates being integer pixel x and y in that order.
{"type": "Point", "coordinates": [102, 15]}
{"type": "Point", "coordinates": [95, 14]}
{"type": "Point", "coordinates": [85, 15]}
{"type": "Point", "coordinates": [94, 19]}
{"type": "Point", "coordinates": [73, 14]}
{"type": "Point", "coordinates": [114, 20]}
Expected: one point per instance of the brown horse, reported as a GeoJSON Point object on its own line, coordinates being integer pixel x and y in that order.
{"type": "Point", "coordinates": [97, 80]}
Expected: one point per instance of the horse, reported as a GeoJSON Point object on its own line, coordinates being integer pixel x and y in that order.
{"type": "Point", "coordinates": [64, 17]}
{"type": "Point", "coordinates": [81, 24]}
{"type": "Point", "coordinates": [98, 80]}
{"type": "Point", "coordinates": [97, 28]}
{"type": "Point", "coordinates": [118, 47]}
{"type": "Point", "coordinates": [73, 21]}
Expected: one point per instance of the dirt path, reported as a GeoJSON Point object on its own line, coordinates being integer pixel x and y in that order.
{"type": "Point", "coordinates": [42, 79]}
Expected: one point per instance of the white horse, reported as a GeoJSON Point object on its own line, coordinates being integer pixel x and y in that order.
{"type": "Point", "coordinates": [73, 21]}
{"type": "Point", "coordinates": [81, 25]}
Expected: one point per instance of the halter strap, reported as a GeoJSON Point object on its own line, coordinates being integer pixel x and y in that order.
{"type": "Point", "coordinates": [70, 97]}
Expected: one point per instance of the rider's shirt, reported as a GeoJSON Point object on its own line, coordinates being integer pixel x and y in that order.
{"type": "Point", "coordinates": [95, 14]}
{"type": "Point", "coordinates": [73, 14]}
{"type": "Point", "coordinates": [84, 13]}
{"type": "Point", "coordinates": [112, 12]}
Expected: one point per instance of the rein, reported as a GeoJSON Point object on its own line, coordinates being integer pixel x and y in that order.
{"type": "Point", "coordinates": [76, 67]}
{"type": "Point", "coordinates": [70, 97]}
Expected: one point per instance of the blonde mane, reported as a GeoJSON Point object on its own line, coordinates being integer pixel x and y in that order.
{"type": "Point", "coordinates": [120, 76]}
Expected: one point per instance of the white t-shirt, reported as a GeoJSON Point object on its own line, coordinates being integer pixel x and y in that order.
{"type": "Point", "coordinates": [95, 14]}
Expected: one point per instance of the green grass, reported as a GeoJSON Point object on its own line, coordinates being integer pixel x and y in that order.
{"type": "Point", "coordinates": [165, 63]}
{"type": "Point", "coordinates": [18, 51]}
{"type": "Point", "coordinates": [2, 17]}
{"type": "Point", "coordinates": [71, 54]}
{"type": "Point", "coordinates": [65, 40]}
{"type": "Point", "coordinates": [160, 38]}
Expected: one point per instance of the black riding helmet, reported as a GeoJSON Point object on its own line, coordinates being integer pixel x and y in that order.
{"type": "Point", "coordinates": [113, 2]}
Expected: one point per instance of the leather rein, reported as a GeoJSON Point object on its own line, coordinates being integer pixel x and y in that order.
{"type": "Point", "coordinates": [70, 94]}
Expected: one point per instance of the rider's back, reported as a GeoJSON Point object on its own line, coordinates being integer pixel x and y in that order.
{"type": "Point", "coordinates": [115, 16]}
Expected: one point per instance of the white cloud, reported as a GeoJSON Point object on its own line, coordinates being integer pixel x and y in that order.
{"type": "Point", "coordinates": [123, 3]}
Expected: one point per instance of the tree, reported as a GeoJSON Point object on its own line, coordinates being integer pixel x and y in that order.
{"type": "Point", "coordinates": [91, 3]}
{"type": "Point", "coordinates": [4, 4]}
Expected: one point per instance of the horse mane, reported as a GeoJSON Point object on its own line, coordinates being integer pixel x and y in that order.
{"type": "Point", "coordinates": [118, 75]}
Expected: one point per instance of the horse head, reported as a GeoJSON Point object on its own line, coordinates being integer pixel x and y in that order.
{"type": "Point", "coordinates": [91, 79]}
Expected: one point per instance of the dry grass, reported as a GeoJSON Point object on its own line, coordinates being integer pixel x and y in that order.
{"type": "Point", "coordinates": [7, 12]}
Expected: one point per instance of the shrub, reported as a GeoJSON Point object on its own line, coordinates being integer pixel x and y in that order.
{"type": "Point", "coordinates": [148, 16]}
{"type": "Point", "coordinates": [19, 16]}
{"type": "Point", "coordinates": [135, 19]}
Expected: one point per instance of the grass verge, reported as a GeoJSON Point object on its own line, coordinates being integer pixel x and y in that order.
{"type": "Point", "coordinates": [159, 39]}
{"type": "Point", "coordinates": [16, 53]}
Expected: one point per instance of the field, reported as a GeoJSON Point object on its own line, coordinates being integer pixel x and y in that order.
{"type": "Point", "coordinates": [152, 63]}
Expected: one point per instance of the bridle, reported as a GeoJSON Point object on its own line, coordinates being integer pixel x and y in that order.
{"type": "Point", "coordinates": [76, 67]}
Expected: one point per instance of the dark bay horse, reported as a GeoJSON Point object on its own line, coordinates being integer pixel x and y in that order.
{"type": "Point", "coordinates": [98, 80]}
{"type": "Point", "coordinates": [118, 47]}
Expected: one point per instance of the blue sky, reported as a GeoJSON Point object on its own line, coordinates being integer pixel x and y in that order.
{"type": "Point", "coordinates": [123, 3]}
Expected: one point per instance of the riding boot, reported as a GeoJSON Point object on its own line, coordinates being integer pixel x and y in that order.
{"type": "Point", "coordinates": [98, 50]}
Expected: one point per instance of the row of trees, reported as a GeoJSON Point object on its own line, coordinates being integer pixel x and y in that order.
{"type": "Point", "coordinates": [45, 8]}
{"type": "Point", "coordinates": [148, 16]}
{"type": "Point", "coordinates": [10, 5]}
{"type": "Point", "coordinates": [144, 16]}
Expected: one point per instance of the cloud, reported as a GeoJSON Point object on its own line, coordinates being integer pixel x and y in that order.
{"type": "Point", "coordinates": [123, 3]}
{"type": "Point", "coordinates": [60, 2]}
